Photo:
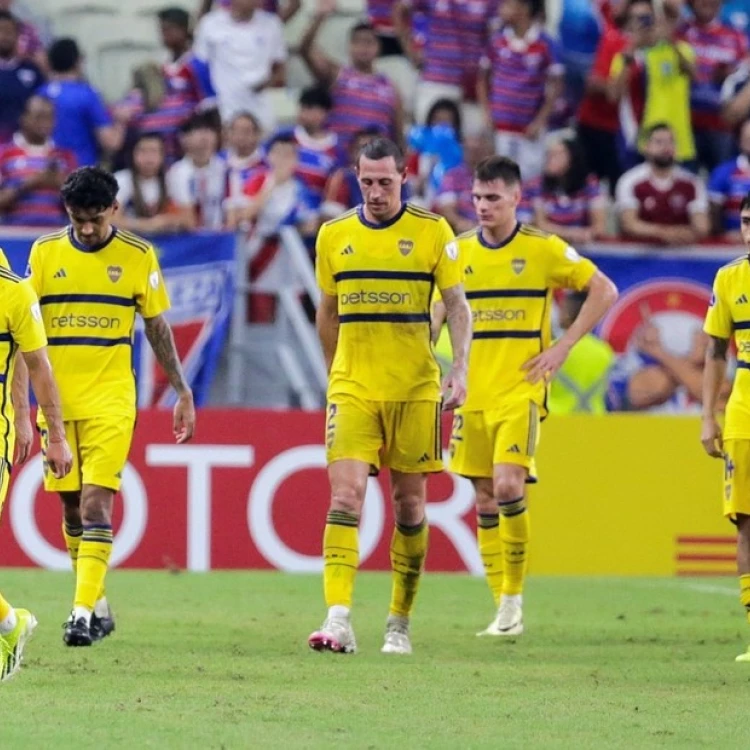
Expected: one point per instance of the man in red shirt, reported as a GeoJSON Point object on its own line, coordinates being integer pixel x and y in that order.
{"type": "Point", "coordinates": [598, 118]}
{"type": "Point", "coordinates": [659, 201]}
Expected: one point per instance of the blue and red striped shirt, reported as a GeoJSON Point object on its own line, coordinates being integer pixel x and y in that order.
{"type": "Point", "coordinates": [456, 190]}
{"type": "Point", "coordinates": [20, 161]}
{"type": "Point", "coordinates": [519, 71]}
{"type": "Point", "coordinates": [457, 31]}
{"type": "Point", "coordinates": [380, 16]}
{"type": "Point", "coordinates": [187, 84]}
{"type": "Point", "coordinates": [362, 100]}
{"type": "Point", "coordinates": [719, 50]}
{"type": "Point", "coordinates": [317, 160]}
{"type": "Point", "coordinates": [567, 210]}
{"type": "Point", "coordinates": [728, 185]}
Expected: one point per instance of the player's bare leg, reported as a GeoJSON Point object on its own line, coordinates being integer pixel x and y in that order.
{"type": "Point", "coordinates": [743, 569]}
{"type": "Point", "coordinates": [348, 480]}
{"type": "Point", "coordinates": [488, 536]}
{"type": "Point", "coordinates": [408, 552]}
{"type": "Point", "coordinates": [509, 488]}
{"type": "Point", "coordinates": [93, 560]}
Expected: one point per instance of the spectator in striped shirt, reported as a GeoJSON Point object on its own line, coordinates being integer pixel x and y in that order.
{"type": "Point", "coordinates": [522, 81]}
{"type": "Point", "coordinates": [318, 151]}
{"type": "Point", "coordinates": [165, 97]}
{"type": "Point", "coordinates": [286, 10]}
{"type": "Point", "coordinates": [568, 200]}
{"type": "Point", "coordinates": [719, 50]}
{"type": "Point", "coordinates": [243, 156]}
{"type": "Point", "coordinates": [30, 45]}
{"type": "Point", "coordinates": [361, 96]}
{"type": "Point", "coordinates": [454, 195]}
{"type": "Point", "coordinates": [456, 34]}
{"type": "Point", "coordinates": [33, 169]}
{"type": "Point", "coordinates": [727, 187]}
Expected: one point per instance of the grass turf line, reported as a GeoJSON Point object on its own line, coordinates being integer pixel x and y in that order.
{"type": "Point", "coordinates": [221, 661]}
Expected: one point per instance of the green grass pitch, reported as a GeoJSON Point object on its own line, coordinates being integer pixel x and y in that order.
{"type": "Point", "coordinates": [221, 661]}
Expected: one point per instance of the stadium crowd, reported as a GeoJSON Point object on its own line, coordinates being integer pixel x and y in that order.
{"type": "Point", "coordinates": [632, 122]}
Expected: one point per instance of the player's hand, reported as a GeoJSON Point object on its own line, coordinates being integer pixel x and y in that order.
{"type": "Point", "coordinates": [24, 439]}
{"type": "Point", "coordinates": [59, 458]}
{"type": "Point", "coordinates": [711, 438]}
{"type": "Point", "coordinates": [184, 418]}
{"type": "Point", "coordinates": [545, 365]}
{"type": "Point", "coordinates": [454, 389]}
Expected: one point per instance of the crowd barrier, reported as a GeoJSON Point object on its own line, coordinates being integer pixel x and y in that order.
{"type": "Point", "coordinates": [618, 495]}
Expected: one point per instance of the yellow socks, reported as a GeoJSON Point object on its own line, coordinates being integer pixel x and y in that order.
{"type": "Point", "coordinates": [514, 533]}
{"type": "Point", "coordinates": [341, 557]}
{"type": "Point", "coordinates": [745, 593]}
{"type": "Point", "coordinates": [93, 561]}
{"type": "Point", "coordinates": [72, 535]}
{"type": "Point", "coordinates": [408, 552]}
{"type": "Point", "coordinates": [491, 551]}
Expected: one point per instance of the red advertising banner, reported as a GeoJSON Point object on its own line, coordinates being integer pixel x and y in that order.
{"type": "Point", "coordinates": [249, 492]}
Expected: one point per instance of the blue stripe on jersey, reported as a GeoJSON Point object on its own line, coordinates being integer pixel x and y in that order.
{"type": "Point", "coordinates": [87, 341]}
{"type": "Point", "coordinates": [385, 318]}
{"type": "Point", "coordinates": [395, 275]}
{"type": "Point", "coordinates": [5, 337]}
{"type": "Point", "coordinates": [741, 325]}
{"type": "Point", "coordinates": [494, 293]}
{"type": "Point", "coordinates": [101, 299]}
{"type": "Point", "coordinates": [743, 365]}
{"type": "Point", "coordinates": [2, 376]}
{"type": "Point", "coordinates": [507, 334]}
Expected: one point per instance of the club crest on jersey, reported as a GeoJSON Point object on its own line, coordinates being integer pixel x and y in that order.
{"type": "Point", "coordinates": [114, 273]}
{"type": "Point", "coordinates": [518, 264]}
{"type": "Point", "coordinates": [405, 247]}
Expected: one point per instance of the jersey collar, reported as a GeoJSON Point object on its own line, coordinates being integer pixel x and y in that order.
{"type": "Point", "coordinates": [382, 225]}
{"type": "Point", "coordinates": [86, 248]}
{"type": "Point", "coordinates": [505, 242]}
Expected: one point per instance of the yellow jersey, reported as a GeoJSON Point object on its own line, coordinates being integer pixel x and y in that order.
{"type": "Point", "coordinates": [89, 298]}
{"type": "Point", "coordinates": [383, 276]}
{"type": "Point", "coordinates": [21, 329]}
{"type": "Point", "coordinates": [729, 315]}
{"type": "Point", "coordinates": [3, 260]}
{"type": "Point", "coordinates": [509, 288]}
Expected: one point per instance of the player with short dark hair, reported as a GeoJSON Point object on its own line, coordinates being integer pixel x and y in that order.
{"type": "Point", "coordinates": [376, 267]}
{"type": "Point", "coordinates": [511, 271]}
{"type": "Point", "coordinates": [92, 278]}
{"type": "Point", "coordinates": [21, 330]}
{"type": "Point", "coordinates": [728, 318]}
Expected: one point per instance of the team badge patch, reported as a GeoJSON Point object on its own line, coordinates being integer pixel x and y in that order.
{"type": "Point", "coordinates": [452, 250]}
{"type": "Point", "coordinates": [518, 264]}
{"type": "Point", "coordinates": [405, 247]}
{"type": "Point", "coordinates": [114, 273]}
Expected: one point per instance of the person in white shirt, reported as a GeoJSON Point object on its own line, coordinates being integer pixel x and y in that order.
{"type": "Point", "coordinates": [245, 50]}
{"type": "Point", "coordinates": [143, 201]}
{"type": "Point", "coordinates": [197, 184]}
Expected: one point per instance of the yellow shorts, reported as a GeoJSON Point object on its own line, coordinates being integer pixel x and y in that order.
{"type": "Point", "coordinates": [736, 478]}
{"type": "Point", "coordinates": [402, 435]}
{"type": "Point", "coordinates": [100, 448]}
{"type": "Point", "coordinates": [506, 435]}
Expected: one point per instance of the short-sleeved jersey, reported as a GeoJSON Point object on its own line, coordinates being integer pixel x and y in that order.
{"type": "Point", "coordinates": [729, 316]}
{"type": "Point", "coordinates": [383, 276]}
{"type": "Point", "coordinates": [509, 289]}
{"type": "Point", "coordinates": [89, 298]}
{"type": "Point", "coordinates": [21, 329]}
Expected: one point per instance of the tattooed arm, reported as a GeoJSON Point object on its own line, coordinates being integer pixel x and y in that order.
{"type": "Point", "coordinates": [458, 315]}
{"type": "Point", "coordinates": [159, 335]}
{"type": "Point", "coordinates": [714, 373]}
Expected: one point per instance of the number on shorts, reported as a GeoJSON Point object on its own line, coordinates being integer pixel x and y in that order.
{"type": "Point", "coordinates": [331, 425]}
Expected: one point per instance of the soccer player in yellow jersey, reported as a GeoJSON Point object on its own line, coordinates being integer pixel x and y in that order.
{"type": "Point", "coordinates": [92, 279]}
{"type": "Point", "coordinates": [728, 316]}
{"type": "Point", "coordinates": [377, 266]}
{"type": "Point", "coordinates": [511, 271]}
{"type": "Point", "coordinates": [21, 330]}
